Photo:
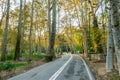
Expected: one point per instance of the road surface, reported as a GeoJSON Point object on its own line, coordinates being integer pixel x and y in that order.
{"type": "Point", "coordinates": [68, 67]}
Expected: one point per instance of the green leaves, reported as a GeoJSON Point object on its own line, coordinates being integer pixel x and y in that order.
{"type": "Point", "coordinates": [95, 22]}
{"type": "Point", "coordinates": [6, 66]}
{"type": "Point", "coordinates": [105, 1]}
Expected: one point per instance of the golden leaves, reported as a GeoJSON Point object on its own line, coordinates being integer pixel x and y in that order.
{"type": "Point", "coordinates": [75, 1]}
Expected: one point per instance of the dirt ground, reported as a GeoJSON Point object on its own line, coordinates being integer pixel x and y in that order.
{"type": "Point", "coordinates": [4, 75]}
{"type": "Point", "coordinates": [99, 71]}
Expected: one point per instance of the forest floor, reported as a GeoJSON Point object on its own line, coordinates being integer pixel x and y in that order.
{"type": "Point", "coordinates": [99, 71]}
{"type": "Point", "coordinates": [4, 75]}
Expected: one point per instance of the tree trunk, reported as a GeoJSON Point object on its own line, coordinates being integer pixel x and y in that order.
{"type": "Point", "coordinates": [23, 30]}
{"type": "Point", "coordinates": [116, 29]}
{"type": "Point", "coordinates": [85, 42]}
{"type": "Point", "coordinates": [49, 26]}
{"type": "Point", "coordinates": [49, 19]}
{"type": "Point", "coordinates": [17, 49]}
{"type": "Point", "coordinates": [50, 53]}
{"type": "Point", "coordinates": [30, 35]}
{"type": "Point", "coordinates": [5, 32]}
{"type": "Point", "coordinates": [84, 21]}
{"type": "Point", "coordinates": [110, 47]}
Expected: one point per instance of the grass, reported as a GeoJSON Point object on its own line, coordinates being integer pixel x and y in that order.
{"type": "Point", "coordinates": [9, 65]}
{"type": "Point", "coordinates": [25, 55]}
{"type": "Point", "coordinates": [19, 64]}
{"type": "Point", "coordinates": [10, 56]}
{"type": "Point", "coordinates": [115, 76]}
{"type": "Point", "coordinates": [34, 55]}
{"type": "Point", "coordinates": [38, 56]}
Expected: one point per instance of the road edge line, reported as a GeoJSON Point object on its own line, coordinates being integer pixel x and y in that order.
{"type": "Point", "coordinates": [88, 70]}
{"type": "Point", "coordinates": [56, 74]}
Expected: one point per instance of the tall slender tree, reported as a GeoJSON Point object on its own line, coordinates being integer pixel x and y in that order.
{"type": "Point", "coordinates": [23, 27]}
{"type": "Point", "coordinates": [84, 21]}
{"type": "Point", "coordinates": [30, 35]}
{"type": "Point", "coordinates": [116, 28]}
{"type": "Point", "coordinates": [53, 32]}
{"type": "Point", "coordinates": [5, 32]}
{"type": "Point", "coordinates": [17, 49]}
{"type": "Point", "coordinates": [49, 19]}
{"type": "Point", "coordinates": [110, 46]}
{"type": "Point", "coordinates": [49, 24]}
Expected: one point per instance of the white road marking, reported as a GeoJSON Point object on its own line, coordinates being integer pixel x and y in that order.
{"type": "Point", "coordinates": [55, 75]}
{"type": "Point", "coordinates": [88, 71]}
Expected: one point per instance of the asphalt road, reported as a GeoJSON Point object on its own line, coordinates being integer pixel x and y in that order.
{"type": "Point", "coordinates": [69, 67]}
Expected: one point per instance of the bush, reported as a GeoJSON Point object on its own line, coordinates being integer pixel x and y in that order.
{"type": "Point", "coordinates": [10, 56]}
{"type": "Point", "coordinates": [1, 66]}
{"type": "Point", "coordinates": [48, 58]}
{"type": "Point", "coordinates": [6, 66]}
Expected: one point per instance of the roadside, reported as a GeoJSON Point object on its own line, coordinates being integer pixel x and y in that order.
{"type": "Point", "coordinates": [43, 72]}
{"type": "Point", "coordinates": [7, 74]}
{"type": "Point", "coordinates": [13, 68]}
{"type": "Point", "coordinates": [99, 71]}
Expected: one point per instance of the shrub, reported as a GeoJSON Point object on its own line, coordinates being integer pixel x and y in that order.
{"type": "Point", "coordinates": [6, 66]}
{"type": "Point", "coordinates": [10, 56]}
{"type": "Point", "coordinates": [1, 66]}
{"type": "Point", "coordinates": [48, 58]}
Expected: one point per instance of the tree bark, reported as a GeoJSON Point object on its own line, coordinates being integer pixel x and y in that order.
{"type": "Point", "coordinates": [30, 35]}
{"type": "Point", "coordinates": [17, 49]}
{"type": "Point", "coordinates": [110, 47]}
{"type": "Point", "coordinates": [84, 26]}
{"type": "Point", "coordinates": [5, 32]}
{"type": "Point", "coordinates": [116, 29]}
{"type": "Point", "coordinates": [50, 53]}
{"type": "Point", "coordinates": [23, 28]}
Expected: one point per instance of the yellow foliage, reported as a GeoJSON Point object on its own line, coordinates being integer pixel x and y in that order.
{"type": "Point", "coordinates": [75, 1]}
{"type": "Point", "coordinates": [95, 46]}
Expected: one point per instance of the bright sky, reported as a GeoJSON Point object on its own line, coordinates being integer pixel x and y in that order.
{"type": "Point", "coordinates": [17, 3]}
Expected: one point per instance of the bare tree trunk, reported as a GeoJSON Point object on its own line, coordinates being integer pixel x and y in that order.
{"type": "Point", "coordinates": [110, 47]}
{"type": "Point", "coordinates": [23, 30]}
{"type": "Point", "coordinates": [116, 29]}
{"type": "Point", "coordinates": [30, 35]}
{"type": "Point", "coordinates": [85, 41]}
{"type": "Point", "coordinates": [49, 26]}
{"type": "Point", "coordinates": [49, 19]}
{"type": "Point", "coordinates": [5, 32]}
{"type": "Point", "coordinates": [53, 32]}
{"type": "Point", "coordinates": [17, 49]}
{"type": "Point", "coordinates": [84, 30]}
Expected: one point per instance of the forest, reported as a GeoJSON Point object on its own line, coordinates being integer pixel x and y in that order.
{"type": "Point", "coordinates": [44, 30]}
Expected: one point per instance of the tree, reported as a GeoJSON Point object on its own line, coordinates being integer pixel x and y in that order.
{"type": "Point", "coordinates": [17, 49]}
{"type": "Point", "coordinates": [23, 27]}
{"type": "Point", "coordinates": [30, 35]}
{"type": "Point", "coordinates": [116, 28]}
{"type": "Point", "coordinates": [5, 32]}
{"type": "Point", "coordinates": [50, 51]}
{"type": "Point", "coordinates": [110, 46]}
